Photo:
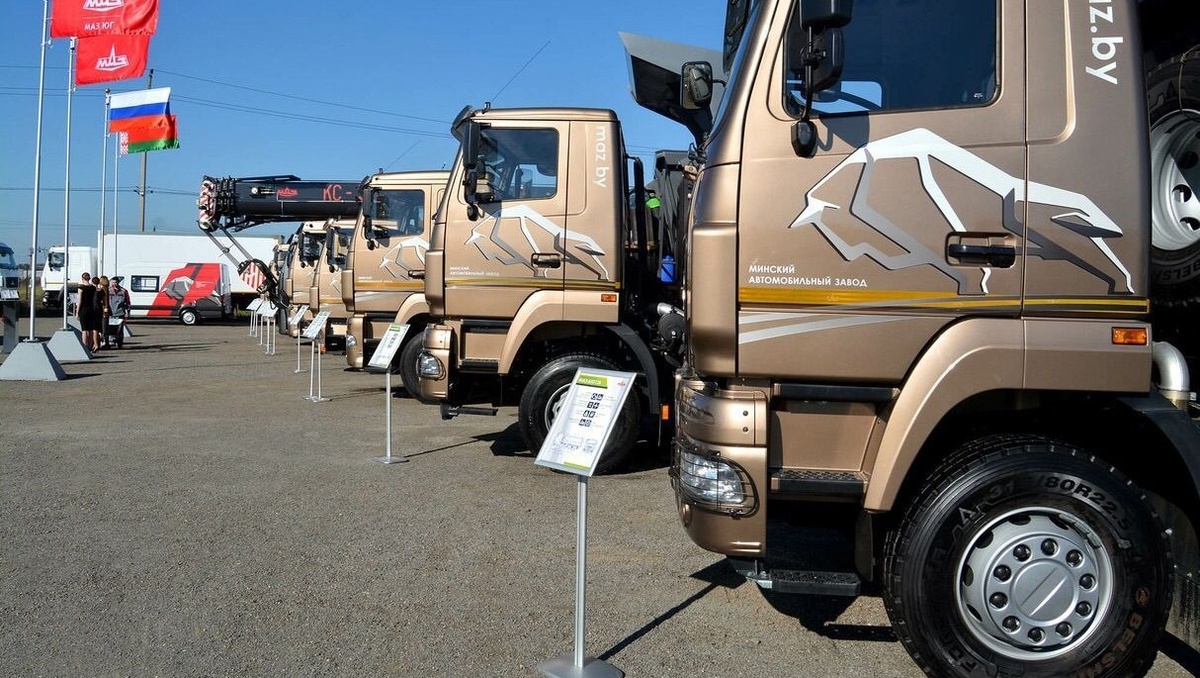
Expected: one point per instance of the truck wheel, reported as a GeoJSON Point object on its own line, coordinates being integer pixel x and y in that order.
{"type": "Point", "coordinates": [544, 395]}
{"type": "Point", "coordinates": [1173, 92]}
{"type": "Point", "coordinates": [406, 366]}
{"type": "Point", "coordinates": [188, 316]}
{"type": "Point", "coordinates": [1022, 556]}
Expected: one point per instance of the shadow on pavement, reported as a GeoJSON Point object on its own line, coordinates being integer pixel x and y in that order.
{"type": "Point", "coordinates": [718, 575]}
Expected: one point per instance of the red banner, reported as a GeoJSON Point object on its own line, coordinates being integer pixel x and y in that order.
{"type": "Point", "coordinates": [81, 18]}
{"type": "Point", "coordinates": [105, 58]}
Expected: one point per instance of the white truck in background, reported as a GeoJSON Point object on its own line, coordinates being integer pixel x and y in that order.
{"type": "Point", "coordinates": [77, 260]}
{"type": "Point", "coordinates": [188, 277]}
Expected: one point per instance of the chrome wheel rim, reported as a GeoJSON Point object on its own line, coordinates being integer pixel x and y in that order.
{"type": "Point", "coordinates": [1175, 181]}
{"type": "Point", "coordinates": [1034, 583]}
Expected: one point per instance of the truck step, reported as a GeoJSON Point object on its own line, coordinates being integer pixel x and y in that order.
{"type": "Point", "coordinates": [814, 582]}
{"type": "Point", "coordinates": [813, 484]}
{"type": "Point", "coordinates": [452, 411]}
{"type": "Point", "coordinates": [810, 582]}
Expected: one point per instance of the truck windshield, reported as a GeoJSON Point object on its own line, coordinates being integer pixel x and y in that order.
{"type": "Point", "coordinates": [54, 260]}
{"type": "Point", "coordinates": [7, 260]}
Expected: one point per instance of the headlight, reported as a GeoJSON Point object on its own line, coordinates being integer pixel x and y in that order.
{"type": "Point", "coordinates": [429, 367]}
{"type": "Point", "coordinates": [719, 485]}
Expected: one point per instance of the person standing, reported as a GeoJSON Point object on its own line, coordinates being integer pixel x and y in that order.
{"type": "Point", "coordinates": [101, 301]}
{"type": "Point", "coordinates": [88, 314]}
{"type": "Point", "coordinates": [118, 309]}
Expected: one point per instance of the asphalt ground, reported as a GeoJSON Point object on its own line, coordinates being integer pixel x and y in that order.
{"type": "Point", "coordinates": [178, 508]}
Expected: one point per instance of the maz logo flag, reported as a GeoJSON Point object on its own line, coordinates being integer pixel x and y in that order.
{"type": "Point", "coordinates": [105, 58]}
{"type": "Point", "coordinates": [82, 18]}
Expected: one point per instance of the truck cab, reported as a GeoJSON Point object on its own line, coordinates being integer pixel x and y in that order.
{"type": "Point", "coordinates": [304, 255]}
{"type": "Point", "coordinates": [383, 280]}
{"type": "Point", "coordinates": [541, 261]}
{"type": "Point", "coordinates": [919, 309]}
{"type": "Point", "coordinates": [325, 288]}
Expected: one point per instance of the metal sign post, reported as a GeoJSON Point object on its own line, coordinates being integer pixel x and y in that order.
{"type": "Point", "coordinates": [381, 359]}
{"type": "Point", "coordinates": [574, 444]}
{"type": "Point", "coordinates": [314, 330]}
{"type": "Point", "coordinates": [267, 314]}
{"type": "Point", "coordinates": [294, 321]}
{"type": "Point", "coordinates": [253, 308]}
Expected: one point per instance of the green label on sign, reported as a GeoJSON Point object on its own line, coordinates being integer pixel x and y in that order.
{"type": "Point", "coordinates": [592, 380]}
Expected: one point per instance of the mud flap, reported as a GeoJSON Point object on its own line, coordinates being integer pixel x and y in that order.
{"type": "Point", "coordinates": [1184, 433]}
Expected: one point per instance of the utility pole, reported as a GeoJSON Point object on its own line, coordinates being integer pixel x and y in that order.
{"type": "Point", "coordinates": [142, 228]}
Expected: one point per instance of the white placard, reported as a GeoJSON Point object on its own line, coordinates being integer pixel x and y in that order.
{"type": "Point", "coordinates": [382, 357]}
{"type": "Point", "coordinates": [294, 321]}
{"type": "Point", "coordinates": [318, 323]}
{"type": "Point", "coordinates": [10, 294]}
{"type": "Point", "coordinates": [584, 422]}
{"type": "Point", "coordinates": [253, 305]}
{"type": "Point", "coordinates": [266, 310]}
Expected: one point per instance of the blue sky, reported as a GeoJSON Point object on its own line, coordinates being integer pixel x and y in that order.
{"type": "Point", "coordinates": [322, 90]}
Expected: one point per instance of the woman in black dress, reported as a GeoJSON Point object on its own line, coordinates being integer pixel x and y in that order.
{"type": "Point", "coordinates": [85, 310]}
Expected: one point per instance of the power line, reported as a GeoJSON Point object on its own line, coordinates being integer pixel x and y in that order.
{"type": "Point", "coordinates": [519, 71]}
{"type": "Point", "coordinates": [300, 98]}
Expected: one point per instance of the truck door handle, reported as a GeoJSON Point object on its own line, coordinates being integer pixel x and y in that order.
{"type": "Point", "coordinates": [1000, 256]}
{"type": "Point", "coordinates": [545, 260]}
{"type": "Point", "coordinates": [417, 274]}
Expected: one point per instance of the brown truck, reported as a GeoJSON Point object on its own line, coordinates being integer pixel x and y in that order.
{"type": "Point", "coordinates": [382, 282]}
{"type": "Point", "coordinates": [545, 257]}
{"type": "Point", "coordinates": [325, 286]}
{"type": "Point", "coordinates": [935, 251]}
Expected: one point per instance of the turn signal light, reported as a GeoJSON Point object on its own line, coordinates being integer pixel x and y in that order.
{"type": "Point", "coordinates": [1130, 336]}
{"type": "Point", "coordinates": [608, 298]}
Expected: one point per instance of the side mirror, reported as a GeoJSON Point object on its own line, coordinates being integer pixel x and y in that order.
{"type": "Point", "coordinates": [825, 69]}
{"type": "Point", "coordinates": [697, 80]}
{"type": "Point", "coordinates": [823, 14]}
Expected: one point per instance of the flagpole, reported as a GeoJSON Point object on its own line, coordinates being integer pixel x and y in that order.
{"type": "Point", "coordinates": [142, 229]}
{"type": "Point", "coordinates": [37, 173]}
{"type": "Point", "coordinates": [67, 184]}
{"type": "Point", "coordinates": [103, 180]}
{"type": "Point", "coordinates": [116, 198]}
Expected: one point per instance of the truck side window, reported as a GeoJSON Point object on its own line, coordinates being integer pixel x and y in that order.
{"type": "Point", "coordinates": [904, 55]}
{"type": "Point", "coordinates": [522, 163]}
{"type": "Point", "coordinates": [401, 212]}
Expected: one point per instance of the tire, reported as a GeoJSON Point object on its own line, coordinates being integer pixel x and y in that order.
{"type": "Point", "coordinates": [1027, 534]}
{"type": "Point", "coordinates": [189, 317]}
{"type": "Point", "coordinates": [543, 395]}
{"type": "Point", "coordinates": [1173, 98]}
{"type": "Point", "coordinates": [405, 365]}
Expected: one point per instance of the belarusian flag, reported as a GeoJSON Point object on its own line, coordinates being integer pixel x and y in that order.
{"type": "Point", "coordinates": [159, 135]}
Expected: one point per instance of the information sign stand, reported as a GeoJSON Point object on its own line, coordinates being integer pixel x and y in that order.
{"type": "Point", "coordinates": [574, 444]}
{"type": "Point", "coordinates": [267, 313]}
{"type": "Point", "coordinates": [381, 359]}
{"type": "Point", "coordinates": [294, 321]}
{"type": "Point", "coordinates": [253, 308]}
{"type": "Point", "coordinates": [314, 330]}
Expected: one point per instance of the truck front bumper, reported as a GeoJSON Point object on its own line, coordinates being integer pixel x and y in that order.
{"type": "Point", "coordinates": [434, 364]}
{"type": "Point", "coordinates": [719, 468]}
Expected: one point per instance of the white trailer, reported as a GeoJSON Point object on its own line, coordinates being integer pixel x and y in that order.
{"type": "Point", "coordinates": [188, 277]}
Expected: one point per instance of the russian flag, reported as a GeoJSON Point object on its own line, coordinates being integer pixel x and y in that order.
{"type": "Point", "coordinates": [138, 109]}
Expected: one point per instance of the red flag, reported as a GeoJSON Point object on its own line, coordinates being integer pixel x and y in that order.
{"type": "Point", "coordinates": [156, 136]}
{"type": "Point", "coordinates": [80, 18]}
{"type": "Point", "coordinates": [110, 57]}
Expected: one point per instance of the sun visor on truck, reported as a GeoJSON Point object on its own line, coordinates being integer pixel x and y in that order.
{"type": "Point", "coordinates": [654, 81]}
